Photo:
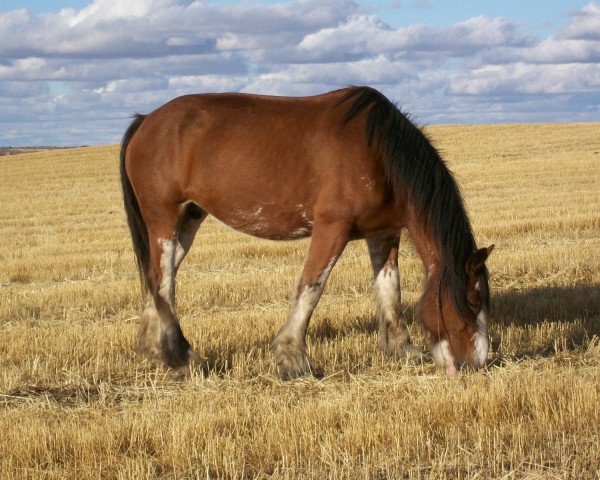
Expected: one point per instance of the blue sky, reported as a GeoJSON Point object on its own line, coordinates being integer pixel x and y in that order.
{"type": "Point", "coordinates": [73, 77]}
{"type": "Point", "coordinates": [540, 16]}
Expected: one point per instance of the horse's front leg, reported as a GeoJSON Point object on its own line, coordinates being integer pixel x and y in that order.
{"type": "Point", "coordinates": [289, 346]}
{"type": "Point", "coordinates": [393, 332]}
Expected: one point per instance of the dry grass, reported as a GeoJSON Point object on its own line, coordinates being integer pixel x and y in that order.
{"type": "Point", "coordinates": [76, 402]}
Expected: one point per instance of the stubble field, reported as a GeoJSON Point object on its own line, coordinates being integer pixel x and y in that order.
{"type": "Point", "coordinates": [77, 402]}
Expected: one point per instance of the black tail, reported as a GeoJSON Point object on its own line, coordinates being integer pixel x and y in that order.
{"type": "Point", "coordinates": [137, 226]}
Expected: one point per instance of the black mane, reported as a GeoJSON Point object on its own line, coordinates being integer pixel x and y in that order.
{"type": "Point", "coordinates": [414, 166]}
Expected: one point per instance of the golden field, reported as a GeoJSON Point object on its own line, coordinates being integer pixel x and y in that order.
{"type": "Point", "coordinates": [77, 402]}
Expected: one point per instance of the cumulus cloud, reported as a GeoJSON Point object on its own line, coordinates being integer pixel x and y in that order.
{"type": "Point", "coordinates": [566, 63]}
{"type": "Point", "coordinates": [585, 24]}
{"type": "Point", "coordinates": [368, 35]}
{"type": "Point", "coordinates": [75, 76]}
{"type": "Point", "coordinates": [578, 42]}
{"type": "Point", "coordinates": [312, 78]}
{"type": "Point", "coordinates": [112, 28]}
{"type": "Point", "coordinates": [522, 78]}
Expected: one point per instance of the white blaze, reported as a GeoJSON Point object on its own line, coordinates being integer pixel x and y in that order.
{"type": "Point", "coordinates": [481, 340]}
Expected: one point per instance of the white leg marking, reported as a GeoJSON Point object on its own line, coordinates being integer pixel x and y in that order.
{"type": "Point", "coordinates": [185, 237]}
{"type": "Point", "coordinates": [481, 340]}
{"type": "Point", "coordinates": [149, 340]}
{"type": "Point", "coordinates": [167, 266]}
{"type": "Point", "coordinates": [172, 256]}
{"type": "Point", "coordinates": [180, 252]}
{"type": "Point", "coordinates": [387, 289]}
{"type": "Point", "coordinates": [304, 304]}
{"type": "Point", "coordinates": [302, 309]}
{"type": "Point", "coordinates": [289, 345]}
{"type": "Point", "coordinates": [443, 356]}
{"type": "Point", "coordinates": [325, 273]}
{"type": "Point", "coordinates": [393, 333]}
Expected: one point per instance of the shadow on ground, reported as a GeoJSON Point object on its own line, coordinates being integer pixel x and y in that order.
{"type": "Point", "coordinates": [578, 304]}
{"type": "Point", "coordinates": [550, 304]}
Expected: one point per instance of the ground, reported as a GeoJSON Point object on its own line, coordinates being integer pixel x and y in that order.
{"type": "Point", "coordinates": [76, 401]}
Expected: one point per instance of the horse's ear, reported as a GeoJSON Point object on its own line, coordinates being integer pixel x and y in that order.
{"type": "Point", "coordinates": [477, 259]}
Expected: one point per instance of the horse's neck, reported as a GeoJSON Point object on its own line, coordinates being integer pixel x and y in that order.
{"type": "Point", "coordinates": [425, 244]}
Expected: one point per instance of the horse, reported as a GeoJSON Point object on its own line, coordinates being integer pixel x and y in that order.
{"type": "Point", "coordinates": [340, 166]}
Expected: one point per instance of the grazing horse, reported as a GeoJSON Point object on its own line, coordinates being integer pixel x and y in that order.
{"type": "Point", "coordinates": [337, 167]}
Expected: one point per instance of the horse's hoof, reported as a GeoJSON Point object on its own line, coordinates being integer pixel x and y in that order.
{"type": "Point", "coordinates": [291, 361]}
{"type": "Point", "coordinates": [194, 363]}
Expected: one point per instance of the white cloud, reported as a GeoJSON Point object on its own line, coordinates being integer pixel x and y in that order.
{"type": "Point", "coordinates": [207, 83]}
{"type": "Point", "coordinates": [565, 63]}
{"type": "Point", "coordinates": [109, 28]}
{"type": "Point", "coordinates": [522, 78]}
{"type": "Point", "coordinates": [576, 43]}
{"type": "Point", "coordinates": [12, 20]}
{"type": "Point", "coordinates": [78, 74]}
{"type": "Point", "coordinates": [585, 24]}
{"type": "Point", "coordinates": [101, 11]}
{"type": "Point", "coordinates": [368, 35]}
{"type": "Point", "coordinates": [563, 50]}
{"type": "Point", "coordinates": [380, 70]}
{"type": "Point", "coordinates": [100, 70]}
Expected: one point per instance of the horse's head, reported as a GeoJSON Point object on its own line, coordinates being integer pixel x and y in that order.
{"type": "Point", "coordinates": [458, 332]}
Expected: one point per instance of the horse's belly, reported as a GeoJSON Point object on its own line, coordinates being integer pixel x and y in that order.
{"type": "Point", "coordinates": [264, 222]}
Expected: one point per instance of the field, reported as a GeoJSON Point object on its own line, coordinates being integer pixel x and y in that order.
{"type": "Point", "coordinates": [77, 402]}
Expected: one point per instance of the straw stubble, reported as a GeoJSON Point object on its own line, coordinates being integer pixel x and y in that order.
{"type": "Point", "coordinates": [77, 402]}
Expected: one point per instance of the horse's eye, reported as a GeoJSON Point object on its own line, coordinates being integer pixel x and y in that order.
{"type": "Point", "coordinates": [473, 305]}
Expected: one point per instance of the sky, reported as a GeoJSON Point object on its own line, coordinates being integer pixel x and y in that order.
{"type": "Point", "coordinates": [73, 71]}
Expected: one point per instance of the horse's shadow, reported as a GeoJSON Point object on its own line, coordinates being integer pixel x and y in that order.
{"type": "Point", "coordinates": [577, 307]}
{"type": "Point", "coordinates": [578, 304]}
{"type": "Point", "coordinates": [551, 304]}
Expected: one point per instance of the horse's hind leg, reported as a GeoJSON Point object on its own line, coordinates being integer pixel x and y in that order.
{"type": "Point", "coordinates": [289, 346]}
{"type": "Point", "coordinates": [393, 333]}
{"type": "Point", "coordinates": [169, 241]}
{"type": "Point", "coordinates": [190, 221]}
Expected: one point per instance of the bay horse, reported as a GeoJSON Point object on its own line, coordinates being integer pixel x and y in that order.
{"type": "Point", "coordinates": [337, 167]}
